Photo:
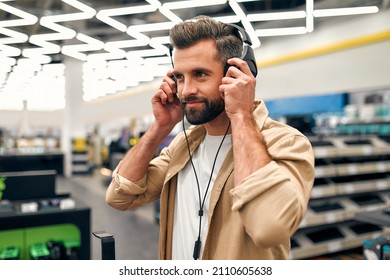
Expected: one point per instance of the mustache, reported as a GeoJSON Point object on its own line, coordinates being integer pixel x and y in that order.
{"type": "Point", "coordinates": [192, 99]}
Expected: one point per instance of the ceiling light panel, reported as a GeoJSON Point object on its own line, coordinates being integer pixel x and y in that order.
{"type": "Point", "coordinates": [135, 32]}
{"type": "Point", "coordinates": [61, 32]}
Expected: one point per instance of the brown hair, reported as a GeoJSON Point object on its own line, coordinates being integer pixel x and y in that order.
{"type": "Point", "coordinates": [188, 33]}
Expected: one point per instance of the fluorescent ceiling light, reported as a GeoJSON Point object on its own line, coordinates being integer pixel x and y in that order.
{"type": "Point", "coordinates": [86, 13]}
{"type": "Point", "coordinates": [309, 15]}
{"type": "Point", "coordinates": [125, 44]}
{"type": "Point", "coordinates": [14, 37]}
{"type": "Point", "coordinates": [281, 31]}
{"type": "Point", "coordinates": [169, 15]}
{"type": "Point", "coordinates": [62, 33]}
{"type": "Point", "coordinates": [6, 62]}
{"type": "Point", "coordinates": [158, 60]}
{"type": "Point", "coordinates": [105, 15]}
{"type": "Point", "coordinates": [116, 65]}
{"type": "Point", "coordinates": [147, 53]}
{"type": "Point", "coordinates": [75, 51]}
{"type": "Point", "coordinates": [192, 4]}
{"type": "Point", "coordinates": [160, 40]}
{"type": "Point", "coordinates": [345, 11]}
{"type": "Point", "coordinates": [137, 35]}
{"type": "Point", "coordinates": [112, 53]}
{"type": "Point", "coordinates": [152, 26]}
{"type": "Point", "coordinates": [40, 54]}
{"type": "Point", "coordinates": [26, 18]}
{"type": "Point", "coordinates": [245, 22]}
{"type": "Point", "coordinates": [228, 19]}
{"type": "Point", "coordinates": [276, 16]}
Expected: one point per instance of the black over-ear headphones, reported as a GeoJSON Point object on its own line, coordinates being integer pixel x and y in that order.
{"type": "Point", "coordinates": [247, 52]}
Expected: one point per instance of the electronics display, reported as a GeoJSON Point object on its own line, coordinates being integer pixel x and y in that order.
{"type": "Point", "coordinates": [39, 251]}
{"type": "Point", "coordinates": [386, 252]}
{"type": "Point", "coordinates": [10, 253]}
{"type": "Point", "coordinates": [373, 248]}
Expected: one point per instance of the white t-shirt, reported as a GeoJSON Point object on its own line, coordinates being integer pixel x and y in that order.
{"type": "Point", "coordinates": [187, 205]}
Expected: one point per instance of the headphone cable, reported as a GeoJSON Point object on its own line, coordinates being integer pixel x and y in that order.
{"type": "Point", "coordinates": [198, 242]}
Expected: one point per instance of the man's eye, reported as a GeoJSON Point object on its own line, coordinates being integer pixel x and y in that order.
{"type": "Point", "coordinates": [200, 74]}
{"type": "Point", "coordinates": [178, 76]}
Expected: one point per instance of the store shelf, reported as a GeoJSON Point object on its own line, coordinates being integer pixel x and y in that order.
{"type": "Point", "coordinates": [335, 210]}
{"type": "Point", "coordinates": [350, 146]}
{"type": "Point", "coordinates": [313, 242]}
{"type": "Point", "coordinates": [353, 187]}
{"type": "Point", "coordinates": [80, 163]}
{"type": "Point", "coordinates": [352, 169]}
{"type": "Point", "coordinates": [352, 175]}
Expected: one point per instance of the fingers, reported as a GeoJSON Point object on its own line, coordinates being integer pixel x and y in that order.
{"type": "Point", "coordinates": [241, 66]}
{"type": "Point", "coordinates": [238, 82]}
{"type": "Point", "coordinates": [168, 89]}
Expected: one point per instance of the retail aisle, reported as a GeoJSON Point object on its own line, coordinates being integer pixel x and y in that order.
{"type": "Point", "coordinates": [135, 232]}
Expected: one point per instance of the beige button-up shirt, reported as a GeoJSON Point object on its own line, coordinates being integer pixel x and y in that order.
{"type": "Point", "coordinates": [253, 220]}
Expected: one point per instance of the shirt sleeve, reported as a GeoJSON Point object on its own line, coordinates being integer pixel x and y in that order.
{"type": "Point", "coordinates": [273, 200]}
{"type": "Point", "coordinates": [123, 194]}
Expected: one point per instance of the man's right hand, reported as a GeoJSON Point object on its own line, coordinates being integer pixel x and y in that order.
{"type": "Point", "coordinates": [167, 108]}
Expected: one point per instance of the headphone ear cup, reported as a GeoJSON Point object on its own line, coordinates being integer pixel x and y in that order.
{"type": "Point", "coordinates": [249, 56]}
{"type": "Point", "coordinates": [247, 52]}
{"type": "Point", "coordinates": [225, 69]}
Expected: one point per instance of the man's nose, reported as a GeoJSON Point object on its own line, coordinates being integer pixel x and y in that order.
{"type": "Point", "coordinates": [189, 88]}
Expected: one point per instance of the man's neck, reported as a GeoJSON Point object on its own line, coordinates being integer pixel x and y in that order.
{"type": "Point", "coordinates": [218, 125]}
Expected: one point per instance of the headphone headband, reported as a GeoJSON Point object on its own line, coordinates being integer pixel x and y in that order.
{"type": "Point", "coordinates": [244, 35]}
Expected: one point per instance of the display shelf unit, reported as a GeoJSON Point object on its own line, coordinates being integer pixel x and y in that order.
{"type": "Point", "coordinates": [80, 164]}
{"type": "Point", "coordinates": [31, 211]}
{"type": "Point", "coordinates": [77, 217]}
{"type": "Point", "coordinates": [352, 175]}
{"type": "Point", "coordinates": [18, 161]}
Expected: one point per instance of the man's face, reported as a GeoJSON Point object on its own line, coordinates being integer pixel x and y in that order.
{"type": "Point", "coordinates": [198, 76]}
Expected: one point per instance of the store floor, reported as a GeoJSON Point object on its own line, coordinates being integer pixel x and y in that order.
{"type": "Point", "coordinates": [135, 232]}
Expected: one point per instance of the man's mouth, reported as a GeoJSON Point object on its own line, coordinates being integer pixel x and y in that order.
{"type": "Point", "coordinates": [193, 103]}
